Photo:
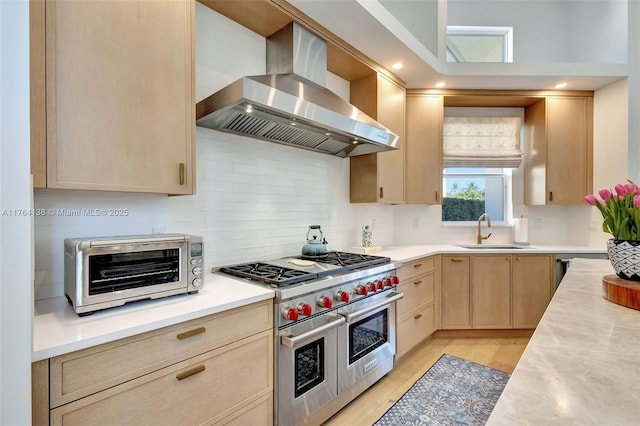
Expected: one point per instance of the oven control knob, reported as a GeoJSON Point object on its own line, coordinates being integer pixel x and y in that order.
{"type": "Point", "coordinates": [325, 302]}
{"type": "Point", "coordinates": [196, 282]}
{"type": "Point", "coordinates": [305, 309]}
{"type": "Point", "coordinates": [290, 313]}
{"type": "Point", "coordinates": [342, 296]}
{"type": "Point", "coordinates": [388, 282]}
{"type": "Point", "coordinates": [197, 270]}
{"type": "Point", "coordinates": [372, 287]}
{"type": "Point", "coordinates": [380, 285]}
{"type": "Point", "coordinates": [362, 290]}
{"type": "Point", "coordinates": [395, 279]}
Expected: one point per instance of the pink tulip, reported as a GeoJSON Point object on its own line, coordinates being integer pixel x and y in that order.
{"type": "Point", "coordinates": [590, 199]}
{"type": "Point", "coordinates": [605, 194]}
{"type": "Point", "coordinates": [636, 200]}
{"type": "Point", "coordinates": [631, 188]}
{"type": "Point", "coordinates": [621, 190]}
{"type": "Point", "coordinates": [638, 191]}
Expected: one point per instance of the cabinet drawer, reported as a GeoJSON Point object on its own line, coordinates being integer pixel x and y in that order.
{"type": "Point", "coordinates": [417, 291]}
{"type": "Point", "coordinates": [259, 412]}
{"type": "Point", "coordinates": [415, 329]}
{"type": "Point", "coordinates": [201, 389]}
{"type": "Point", "coordinates": [415, 268]}
{"type": "Point", "coordinates": [78, 374]}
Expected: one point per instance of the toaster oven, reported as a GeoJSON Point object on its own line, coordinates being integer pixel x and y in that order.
{"type": "Point", "coordinates": [101, 273]}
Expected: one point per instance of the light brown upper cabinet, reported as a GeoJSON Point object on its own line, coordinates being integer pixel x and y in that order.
{"type": "Point", "coordinates": [113, 103]}
{"type": "Point", "coordinates": [558, 146]}
{"type": "Point", "coordinates": [380, 177]}
{"type": "Point", "coordinates": [424, 148]}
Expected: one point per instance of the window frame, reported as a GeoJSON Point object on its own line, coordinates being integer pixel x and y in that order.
{"type": "Point", "coordinates": [480, 31]}
{"type": "Point", "coordinates": [507, 192]}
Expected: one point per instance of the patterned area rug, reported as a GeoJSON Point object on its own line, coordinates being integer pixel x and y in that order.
{"type": "Point", "coordinates": [452, 392]}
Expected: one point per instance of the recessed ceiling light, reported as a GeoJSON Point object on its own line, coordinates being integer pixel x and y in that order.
{"type": "Point", "coordinates": [397, 65]}
{"type": "Point", "coordinates": [561, 85]}
{"type": "Point", "coordinates": [441, 84]}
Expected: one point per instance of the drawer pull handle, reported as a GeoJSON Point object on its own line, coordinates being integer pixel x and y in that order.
{"type": "Point", "coordinates": [191, 333]}
{"type": "Point", "coordinates": [418, 316]}
{"type": "Point", "coordinates": [457, 259]}
{"type": "Point", "coordinates": [417, 282]}
{"type": "Point", "coordinates": [417, 265]}
{"type": "Point", "coordinates": [194, 370]}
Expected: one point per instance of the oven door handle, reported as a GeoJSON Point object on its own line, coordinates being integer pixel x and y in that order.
{"type": "Point", "coordinates": [291, 341]}
{"type": "Point", "coordinates": [354, 316]}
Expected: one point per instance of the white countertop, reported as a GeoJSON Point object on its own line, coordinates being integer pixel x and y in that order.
{"type": "Point", "coordinates": [581, 366]}
{"type": "Point", "coordinates": [57, 329]}
{"type": "Point", "coordinates": [413, 252]}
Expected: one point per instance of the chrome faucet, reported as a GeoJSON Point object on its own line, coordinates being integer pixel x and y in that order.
{"type": "Point", "coordinates": [481, 237]}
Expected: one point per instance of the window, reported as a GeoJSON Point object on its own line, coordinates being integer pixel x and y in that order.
{"type": "Point", "coordinates": [469, 192]}
{"type": "Point", "coordinates": [479, 44]}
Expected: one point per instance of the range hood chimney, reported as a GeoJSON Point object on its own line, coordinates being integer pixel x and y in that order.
{"type": "Point", "coordinates": [290, 105]}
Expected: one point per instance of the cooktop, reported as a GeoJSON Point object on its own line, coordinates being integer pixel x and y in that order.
{"type": "Point", "coordinates": [297, 269]}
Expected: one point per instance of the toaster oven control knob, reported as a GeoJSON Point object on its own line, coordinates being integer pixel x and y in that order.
{"type": "Point", "coordinates": [197, 270]}
{"type": "Point", "coordinates": [395, 279]}
{"type": "Point", "coordinates": [380, 285]}
{"type": "Point", "coordinates": [362, 290]}
{"type": "Point", "coordinates": [196, 282]}
{"type": "Point", "coordinates": [325, 302]}
{"type": "Point", "coordinates": [342, 296]}
{"type": "Point", "coordinates": [305, 309]}
{"type": "Point", "coordinates": [290, 313]}
{"type": "Point", "coordinates": [372, 287]}
{"type": "Point", "coordinates": [194, 261]}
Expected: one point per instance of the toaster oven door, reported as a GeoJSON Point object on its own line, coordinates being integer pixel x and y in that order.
{"type": "Point", "coordinates": [123, 272]}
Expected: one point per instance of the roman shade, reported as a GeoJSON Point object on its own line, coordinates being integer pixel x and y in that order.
{"type": "Point", "coordinates": [482, 142]}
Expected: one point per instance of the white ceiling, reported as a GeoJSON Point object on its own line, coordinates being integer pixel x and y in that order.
{"type": "Point", "coordinates": [385, 40]}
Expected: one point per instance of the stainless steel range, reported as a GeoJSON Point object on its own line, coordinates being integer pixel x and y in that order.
{"type": "Point", "coordinates": [335, 329]}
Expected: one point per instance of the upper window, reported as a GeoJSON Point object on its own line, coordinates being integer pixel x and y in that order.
{"type": "Point", "coordinates": [479, 44]}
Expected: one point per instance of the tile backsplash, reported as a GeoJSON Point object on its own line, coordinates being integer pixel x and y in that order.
{"type": "Point", "coordinates": [254, 200]}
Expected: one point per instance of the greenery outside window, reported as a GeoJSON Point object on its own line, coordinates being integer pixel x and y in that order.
{"type": "Point", "coordinates": [469, 192]}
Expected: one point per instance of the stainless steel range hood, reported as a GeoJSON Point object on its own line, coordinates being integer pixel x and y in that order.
{"type": "Point", "coordinates": [290, 105]}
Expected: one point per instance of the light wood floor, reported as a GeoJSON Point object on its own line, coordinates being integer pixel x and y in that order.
{"type": "Point", "coordinates": [498, 350]}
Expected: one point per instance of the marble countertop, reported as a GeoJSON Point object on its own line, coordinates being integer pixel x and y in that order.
{"type": "Point", "coordinates": [581, 364]}
{"type": "Point", "coordinates": [413, 252]}
{"type": "Point", "coordinates": [57, 329]}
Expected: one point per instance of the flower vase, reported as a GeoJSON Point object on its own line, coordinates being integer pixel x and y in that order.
{"type": "Point", "coordinates": [625, 258]}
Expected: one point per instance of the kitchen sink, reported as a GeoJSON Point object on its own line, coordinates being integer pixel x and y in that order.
{"type": "Point", "coordinates": [492, 246]}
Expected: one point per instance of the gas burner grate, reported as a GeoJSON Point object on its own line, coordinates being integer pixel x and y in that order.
{"type": "Point", "coordinates": [269, 274]}
{"type": "Point", "coordinates": [354, 260]}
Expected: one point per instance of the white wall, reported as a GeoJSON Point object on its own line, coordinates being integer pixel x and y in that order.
{"type": "Point", "coordinates": [558, 31]}
{"type": "Point", "coordinates": [255, 199]}
{"type": "Point", "coordinates": [16, 298]}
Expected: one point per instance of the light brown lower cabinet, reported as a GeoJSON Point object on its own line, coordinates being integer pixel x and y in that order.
{"type": "Point", "coordinates": [532, 286]}
{"type": "Point", "coordinates": [417, 310]}
{"type": "Point", "coordinates": [213, 370]}
{"type": "Point", "coordinates": [456, 292]}
{"type": "Point", "coordinates": [491, 291]}
{"type": "Point", "coordinates": [498, 291]}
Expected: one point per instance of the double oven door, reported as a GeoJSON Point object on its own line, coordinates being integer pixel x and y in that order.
{"type": "Point", "coordinates": [367, 341]}
{"type": "Point", "coordinates": [307, 366]}
{"type": "Point", "coordinates": [326, 356]}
